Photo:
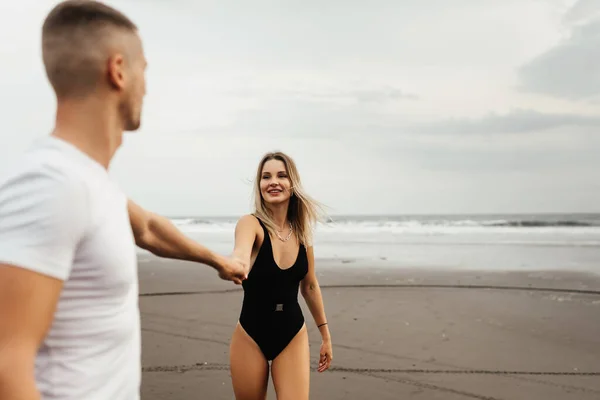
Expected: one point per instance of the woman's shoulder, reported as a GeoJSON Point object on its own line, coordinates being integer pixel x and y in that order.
{"type": "Point", "coordinates": [248, 220]}
{"type": "Point", "coordinates": [250, 224]}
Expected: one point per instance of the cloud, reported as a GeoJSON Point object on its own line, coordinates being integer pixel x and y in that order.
{"type": "Point", "coordinates": [312, 87]}
{"type": "Point", "coordinates": [569, 70]}
{"type": "Point", "coordinates": [582, 11]}
{"type": "Point", "coordinates": [515, 121]}
{"type": "Point", "coordinates": [374, 95]}
{"type": "Point", "coordinates": [289, 118]}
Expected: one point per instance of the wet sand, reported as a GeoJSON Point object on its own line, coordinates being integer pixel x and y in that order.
{"type": "Point", "coordinates": [397, 334]}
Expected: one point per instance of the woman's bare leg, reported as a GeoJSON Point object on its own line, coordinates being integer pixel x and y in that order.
{"type": "Point", "coordinates": [291, 369]}
{"type": "Point", "coordinates": [249, 368]}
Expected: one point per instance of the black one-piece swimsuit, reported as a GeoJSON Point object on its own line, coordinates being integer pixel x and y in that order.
{"type": "Point", "coordinates": [271, 314]}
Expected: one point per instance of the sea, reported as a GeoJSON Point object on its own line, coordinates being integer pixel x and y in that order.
{"type": "Point", "coordinates": [483, 242]}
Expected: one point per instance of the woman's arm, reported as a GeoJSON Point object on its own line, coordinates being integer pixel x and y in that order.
{"type": "Point", "coordinates": [245, 237]}
{"type": "Point", "coordinates": [311, 292]}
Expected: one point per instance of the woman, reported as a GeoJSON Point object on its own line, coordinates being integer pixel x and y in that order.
{"type": "Point", "coordinates": [276, 243]}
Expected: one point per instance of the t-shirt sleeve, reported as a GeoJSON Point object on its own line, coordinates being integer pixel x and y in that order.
{"type": "Point", "coordinates": [43, 217]}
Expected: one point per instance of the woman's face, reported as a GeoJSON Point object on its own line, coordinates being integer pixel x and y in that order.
{"type": "Point", "coordinates": [275, 185]}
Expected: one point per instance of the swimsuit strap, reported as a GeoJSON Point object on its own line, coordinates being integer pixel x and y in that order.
{"type": "Point", "coordinates": [267, 237]}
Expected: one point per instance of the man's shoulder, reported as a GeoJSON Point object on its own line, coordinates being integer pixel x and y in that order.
{"type": "Point", "coordinates": [41, 170]}
{"type": "Point", "coordinates": [35, 167]}
{"type": "Point", "coordinates": [49, 158]}
{"type": "Point", "coordinates": [44, 212]}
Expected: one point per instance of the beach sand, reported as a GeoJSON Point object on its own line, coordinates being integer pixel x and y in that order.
{"type": "Point", "coordinates": [397, 334]}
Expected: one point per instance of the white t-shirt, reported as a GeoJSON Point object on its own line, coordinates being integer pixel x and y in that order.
{"type": "Point", "coordinates": [61, 215]}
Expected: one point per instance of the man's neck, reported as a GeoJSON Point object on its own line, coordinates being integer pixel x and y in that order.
{"type": "Point", "coordinates": [91, 125]}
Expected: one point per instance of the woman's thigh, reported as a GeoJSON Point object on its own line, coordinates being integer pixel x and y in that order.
{"type": "Point", "coordinates": [249, 368]}
{"type": "Point", "coordinates": [291, 369]}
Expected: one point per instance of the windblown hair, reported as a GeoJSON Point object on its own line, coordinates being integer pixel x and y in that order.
{"type": "Point", "coordinates": [303, 213]}
{"type": "Point", "coordinates": [74, 37]}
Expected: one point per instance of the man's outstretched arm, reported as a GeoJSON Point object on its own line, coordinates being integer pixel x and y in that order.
{"type": "Point", "coordinates": [161, 237]}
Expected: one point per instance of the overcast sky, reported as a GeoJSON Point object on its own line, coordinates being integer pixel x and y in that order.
{"type": "Point", "coordinates": [388, 106]}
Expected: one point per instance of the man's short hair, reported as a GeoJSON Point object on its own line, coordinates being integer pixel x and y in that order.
{"type": "Point", "coordinates": [74, 38]}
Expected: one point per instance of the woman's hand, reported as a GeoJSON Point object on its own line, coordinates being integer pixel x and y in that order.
{"type": "Point", "coordinates": [326, 355]}
{"type": "Point", "coordinates": [232, 269]}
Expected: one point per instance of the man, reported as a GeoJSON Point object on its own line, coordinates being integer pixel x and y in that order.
{"type": "Point", "coordinates": [69, 317]}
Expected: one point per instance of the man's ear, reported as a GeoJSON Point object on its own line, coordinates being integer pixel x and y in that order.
{"type": "Point", "coordinates": [116, 71]}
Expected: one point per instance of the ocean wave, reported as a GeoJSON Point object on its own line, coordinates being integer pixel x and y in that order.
{"type": "Point", "coordinates": [469, 223]}
{"type": "Point", "coordinates": [191, 221]}
{"type": "Point", "coordinates": [537, 223]}
{"type": "Point", "coordinates": [429, 225]}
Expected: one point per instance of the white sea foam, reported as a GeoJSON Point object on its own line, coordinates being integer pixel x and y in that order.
{"type": "Point", "coordinates": [489, 242]}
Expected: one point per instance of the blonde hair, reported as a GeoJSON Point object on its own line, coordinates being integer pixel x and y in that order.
{"type": "Point", "coordinates": [303, 212]}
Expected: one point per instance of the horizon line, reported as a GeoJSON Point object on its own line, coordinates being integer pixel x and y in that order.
{"type": "Point", "coordinates": [549, 213]}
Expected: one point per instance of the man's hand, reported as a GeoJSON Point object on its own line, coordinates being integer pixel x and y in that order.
{"type": "Point", "coordinates": [233, 269]}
